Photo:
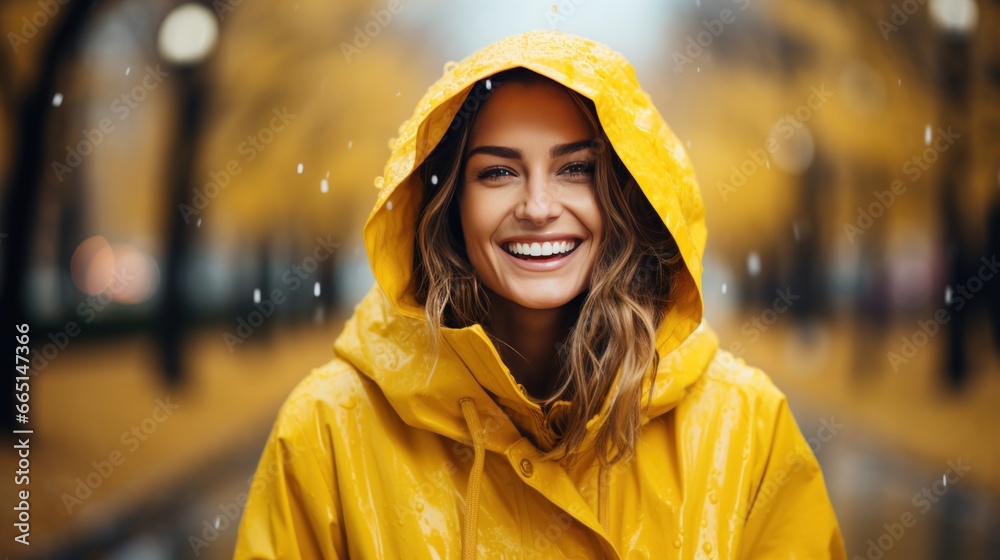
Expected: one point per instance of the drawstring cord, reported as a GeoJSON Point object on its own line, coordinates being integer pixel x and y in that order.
{"type": "Point", "coordinates": [602, 497]}
{"type": "Point", "coordinates": [475, 478]}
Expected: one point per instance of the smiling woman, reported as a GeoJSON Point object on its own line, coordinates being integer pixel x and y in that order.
{"type": "Point", "coordinates": [531, 375]}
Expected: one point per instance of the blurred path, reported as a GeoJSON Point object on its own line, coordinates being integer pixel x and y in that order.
{"type": "Point", "coordinates": [886, 439]}
{"type": "Point", "coordinates": [112, 443]}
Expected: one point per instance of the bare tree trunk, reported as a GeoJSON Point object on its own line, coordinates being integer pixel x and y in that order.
{"type": "Point", "coordinates": [173, 313]}
{"type": "Point", "coordinates": [21, 200]}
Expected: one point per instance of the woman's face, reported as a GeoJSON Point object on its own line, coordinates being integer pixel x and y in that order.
{"type": "Point", "coordinates": [528, 209]}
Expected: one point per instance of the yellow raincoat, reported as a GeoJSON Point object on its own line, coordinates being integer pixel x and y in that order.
{"type": "Point", "coordinates": [363, 462]}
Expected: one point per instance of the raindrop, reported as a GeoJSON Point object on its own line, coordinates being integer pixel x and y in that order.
{"type": "Point", "coordinates": [57, 99]}
{"type": "Point", "coordinates": [713, 497]}
{"type": "Point", "coordinates": [434, 179]}
{"type": "Point", "coordinates": [379, 181]}
{"type": "Point", "coordinates": [450, 65]}
{"type": "Point", "coordinates": [199, 222]}
{"type": "Point", "coordinates": [327, 174]}
{"type": "Point", "coordinates": [397, 93]}
{"type": "Point", "coordinates": [899, 81]}
{"type": "Point", "coordinates": [489, 84]}
{"type": "Point", "coordinates": [948, 295]}
{"type": "Point", "coordinates": [388, 204]}
{"type": "Point", "coordinates": [350, 402]}
{"type": "Point", "coordinates": [677, 542]}
{"type": "Point", "coordinates": [299, 169]}
{"type": "Point", "coordinates": [256, 295]}
{"type": "Point", "coordinates": [128, 70]}
{"type": "Point", "coordinates": [698, 69]}
{"type": "Point", "coordinates": [725, 288]}
{"type": "Point", "coordinates": [324, 186]}
{"type": "Point", "coordinates": [927, 135]}
{"type": "Point", "coordinates": [419, 506]}
{"type": "Point", "coordinates": [707, 547]}
{"type": "Point", "coordinates": [218, 519]}
{"type": "Point", "coordinates": [688, 144]}
{"type": "Point", "coordinates": [944, 480]}
{"type": "Point", "coordinates": [767, 164]}
{"type": "Point", "coordinates": [316, 289]}
{"type": "Point", "coordinates": [349, 144]}
{"type": "Point", "coordinates": [795, 230]}
{"type": "Point", "coordinates": [753, 263]}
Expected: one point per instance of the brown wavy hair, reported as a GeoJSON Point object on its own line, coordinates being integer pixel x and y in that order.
{"type": "Point", "coordinates": [628, 295]}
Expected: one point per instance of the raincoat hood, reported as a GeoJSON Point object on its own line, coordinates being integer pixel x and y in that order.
{"type": "Point", "coordinates": [650, 151]}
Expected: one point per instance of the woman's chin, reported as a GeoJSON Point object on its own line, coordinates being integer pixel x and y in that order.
{"type": "Point", "coordinates": [543, 300]}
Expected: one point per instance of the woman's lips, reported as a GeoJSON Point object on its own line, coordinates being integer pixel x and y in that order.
{"type": "Point", "coordinates": [543, 263]}
{"type": "Point", "coordinates": [541, 247]}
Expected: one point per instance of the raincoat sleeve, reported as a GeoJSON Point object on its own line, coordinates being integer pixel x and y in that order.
{"type": "Point", "coordinates": [293, 509]}
{"type": "Point", "coordinates": [790, 515]}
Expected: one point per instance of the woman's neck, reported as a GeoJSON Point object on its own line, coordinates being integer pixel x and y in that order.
{"type": "Point", "coordinates": [530, 341]}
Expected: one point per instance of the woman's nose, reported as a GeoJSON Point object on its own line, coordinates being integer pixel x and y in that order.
{"type": "Point", "coordinates": [540, 204]}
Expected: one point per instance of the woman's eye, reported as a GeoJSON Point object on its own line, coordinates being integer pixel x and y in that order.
{"type": "Point", "coordinates": [579, 168]}
{"type": "Point", "coordinates": [493, 173]}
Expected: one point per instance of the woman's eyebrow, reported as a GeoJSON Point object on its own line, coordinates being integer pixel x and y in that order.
{"type": "Point", "coordinates": [499, 151]}
{"type": "Point", "coordinates": [563, 149]}
{"type": "Point", "coordinates": [514, 153]}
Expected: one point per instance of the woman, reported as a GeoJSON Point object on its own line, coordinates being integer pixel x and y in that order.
{"type": "Point", "coordinates": [530, 376]}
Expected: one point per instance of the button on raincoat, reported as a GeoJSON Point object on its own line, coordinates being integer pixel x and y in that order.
{"type": "Point", "coordinates": [367, 459]}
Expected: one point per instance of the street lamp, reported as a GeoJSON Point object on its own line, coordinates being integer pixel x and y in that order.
{"type": "Point", "coordinates": [955, 16]}
{"type": "Point", "coordinates": [187, 34]}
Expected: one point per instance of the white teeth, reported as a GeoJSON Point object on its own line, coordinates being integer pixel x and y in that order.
{"type": "Point", "coordinates": [541, 249]}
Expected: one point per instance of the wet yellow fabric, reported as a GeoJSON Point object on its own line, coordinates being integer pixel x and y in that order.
{"type": "Point", "coordinates": [385, 452]}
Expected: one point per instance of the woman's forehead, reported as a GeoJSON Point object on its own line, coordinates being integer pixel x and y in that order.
{"type": "Point", "coordinates": [533, 113]}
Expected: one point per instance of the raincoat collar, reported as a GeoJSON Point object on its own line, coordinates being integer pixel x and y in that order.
{"type": "Point", "coordinates": [385, 337]}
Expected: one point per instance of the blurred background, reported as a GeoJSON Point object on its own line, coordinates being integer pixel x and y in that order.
{"type": "Point", "coordinates": [165, 166]}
